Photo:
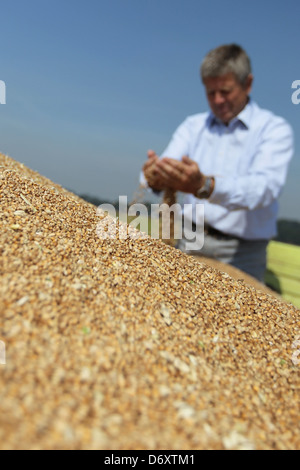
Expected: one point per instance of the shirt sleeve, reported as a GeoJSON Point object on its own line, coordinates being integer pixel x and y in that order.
{"type": "Point", "coordinates": [179, 144]}
{"type": "Point", "coordinates": [266, 175]}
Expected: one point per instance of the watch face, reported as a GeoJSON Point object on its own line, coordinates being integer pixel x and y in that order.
{"type": "Point", "coordinates": [204, 191]}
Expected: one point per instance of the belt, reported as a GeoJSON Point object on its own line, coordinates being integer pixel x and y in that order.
{"type": "Point", "coordinates": [213, 232]}
{"type": "Point", "coordinates": [217, 234]}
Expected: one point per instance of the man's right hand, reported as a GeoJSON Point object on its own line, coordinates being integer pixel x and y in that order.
{"type": "Point", "coordinates": [153, 178]}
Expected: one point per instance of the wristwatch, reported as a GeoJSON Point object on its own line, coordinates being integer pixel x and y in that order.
{"type": "Point", "coordinates": [205, 191]}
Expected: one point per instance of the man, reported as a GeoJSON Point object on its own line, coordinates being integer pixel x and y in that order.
{"type": "Point", "coordinates": [233, 159]}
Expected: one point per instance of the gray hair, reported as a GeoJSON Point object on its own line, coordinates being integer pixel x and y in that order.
{"type": "Point", "coordinates": [229, 58]}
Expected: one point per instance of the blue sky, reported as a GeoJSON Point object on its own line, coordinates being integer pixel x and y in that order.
{"type": "Point", "coordinates": [92, 85]}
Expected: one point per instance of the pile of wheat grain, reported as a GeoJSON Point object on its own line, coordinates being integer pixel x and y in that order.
{"type": "Point", "coordinates": [130, 344]}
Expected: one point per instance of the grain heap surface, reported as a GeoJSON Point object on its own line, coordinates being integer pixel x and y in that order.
{"type": "Point", "coordinates": [238, 274]}
{"type": "Point", "coordinates": [130, 344]}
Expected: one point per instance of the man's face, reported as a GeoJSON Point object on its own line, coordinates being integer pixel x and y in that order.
{"type": "Point", "coordinates": [226, 96]}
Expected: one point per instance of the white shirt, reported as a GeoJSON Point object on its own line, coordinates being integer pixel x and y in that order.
{"type": "Point", "coordinates": [249, 159]}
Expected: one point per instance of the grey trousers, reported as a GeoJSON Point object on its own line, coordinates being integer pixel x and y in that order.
{"type": "Point", "coordinates": [249, 256]}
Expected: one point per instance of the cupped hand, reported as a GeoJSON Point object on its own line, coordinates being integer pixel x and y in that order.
{"type": "Point", "coordinates": [150, 171]}
{"type": "Point", "coordinates": [181, 175]}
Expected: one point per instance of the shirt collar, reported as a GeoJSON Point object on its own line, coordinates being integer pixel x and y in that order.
{"type": "Point", "coordinates": [244, 117]}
